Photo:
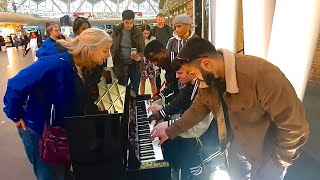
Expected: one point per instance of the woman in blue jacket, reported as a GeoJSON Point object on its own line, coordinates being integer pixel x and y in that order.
{"type": "Point", "coordinates": [57, 81]}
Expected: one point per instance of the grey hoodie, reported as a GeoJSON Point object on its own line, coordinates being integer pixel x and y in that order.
{"type": "Point", "coordinates": [175, 43]}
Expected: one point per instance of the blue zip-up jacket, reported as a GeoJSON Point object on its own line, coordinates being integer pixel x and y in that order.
{"type": "Point", "coordinates": [50, 47]}
{"type": "Point", "coordinates": [31, 93]}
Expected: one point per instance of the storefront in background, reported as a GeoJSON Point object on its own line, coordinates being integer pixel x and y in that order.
{"type": "Point", "coordinates": [8, 29]}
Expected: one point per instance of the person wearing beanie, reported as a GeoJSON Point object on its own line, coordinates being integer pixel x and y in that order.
{"type": "Point", "coordinates": [184, 31]}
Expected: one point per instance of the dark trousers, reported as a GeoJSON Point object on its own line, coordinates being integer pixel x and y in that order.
{"type": "Point", "coordinates": [134, 76]}
{"type": "Point", "coordinates": [41, 169]}
{"type": "Point", "coordinates": [240, 167]}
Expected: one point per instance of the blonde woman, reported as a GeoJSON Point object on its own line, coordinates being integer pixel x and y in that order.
{"type": "Point", "coordinates": [53, 80]}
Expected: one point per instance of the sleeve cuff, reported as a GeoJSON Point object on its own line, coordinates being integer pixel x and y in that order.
{"type": "Point", "coordinates": [163, 113]}
{"type": "Point", "coordinates": [15, 119]}
{"type": "Point", "coordinates": [162, 96]}
{"type": "Point", "coordinates": [170, 131]}
{"type": "Point", "coordinates": [171, 122]}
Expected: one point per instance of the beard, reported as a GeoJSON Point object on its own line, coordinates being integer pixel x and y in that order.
{"type": "Point", "coordinates": [208, 78]}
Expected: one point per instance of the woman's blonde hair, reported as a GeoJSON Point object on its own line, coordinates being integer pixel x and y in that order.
{"type": "Point", "coordinates": [86, 43]}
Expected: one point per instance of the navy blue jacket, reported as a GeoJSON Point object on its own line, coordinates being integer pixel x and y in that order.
{"type": "Point", "coordinates": [52, 80]}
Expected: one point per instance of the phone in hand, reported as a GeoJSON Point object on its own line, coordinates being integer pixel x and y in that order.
{"type": "Point", "coordinates": [133, 51]}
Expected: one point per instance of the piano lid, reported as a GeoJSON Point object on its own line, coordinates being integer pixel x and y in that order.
{"type": "Point", "coordinates": [111, 96]}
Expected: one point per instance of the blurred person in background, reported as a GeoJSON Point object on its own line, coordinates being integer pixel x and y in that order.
{"type": "Point", "coordinates": [2, 44]}
{"type": "Point", "coordinates": [50, 46]}
{"type": "Point", "coordinates": [152, 71]}
{"type": "Point", "coordinates": [33, 43]}
{"type": "Point", "coordinates": [91, 75]}
{"type": "Point", "coordinates": [163, 33]}
{"type": "Point", "coordinates": [127, 51]}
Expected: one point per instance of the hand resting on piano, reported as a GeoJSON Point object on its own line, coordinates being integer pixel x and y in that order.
{"type": "Point", "coordinates": [155, 107]}
{"type": "Point", "coordinates": [159, 131]}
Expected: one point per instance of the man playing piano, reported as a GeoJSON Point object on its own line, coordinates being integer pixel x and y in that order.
{"type": "Point", "coordinates": [266, 116]}
{"type": "Point", "coordinates": [162, 57]}
{"type": "Point", "coordinates": [197, 144]}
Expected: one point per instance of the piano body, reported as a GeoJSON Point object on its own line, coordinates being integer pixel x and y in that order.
{"type": "Point", "coordinates": [149, 153]}
{"type": "Point", "coordinates": [115, 144]}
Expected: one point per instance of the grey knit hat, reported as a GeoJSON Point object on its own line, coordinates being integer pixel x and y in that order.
{"type": "Point", "coordinates": [182, 18]}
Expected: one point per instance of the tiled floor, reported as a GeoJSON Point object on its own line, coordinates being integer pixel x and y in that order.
{"type": "Point", "coordinates": [14, 164]}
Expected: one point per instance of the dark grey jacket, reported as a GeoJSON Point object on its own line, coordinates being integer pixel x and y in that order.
{"type": "Point", "coordinates": [118, 63]}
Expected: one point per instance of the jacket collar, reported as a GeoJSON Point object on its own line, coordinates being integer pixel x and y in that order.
{"type": "Point", "coordinates": [230, 71]}
{"type": "Point", "coordinates": [66, 57]}
{"type": "Point", "coordinates": [119, 28]}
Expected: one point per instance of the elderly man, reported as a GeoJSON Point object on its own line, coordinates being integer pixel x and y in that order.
{"type": "Point", "coordinates": [49, 46]}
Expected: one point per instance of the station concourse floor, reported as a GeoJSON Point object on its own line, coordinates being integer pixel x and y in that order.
{"type": "Point", "coordinates": [14, 164]}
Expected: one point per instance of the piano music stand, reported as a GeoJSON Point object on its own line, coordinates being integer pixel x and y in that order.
{"type": "Point", "coordinates": [95, 156]}
{"type": "Point", "coordinates": [96, 141]}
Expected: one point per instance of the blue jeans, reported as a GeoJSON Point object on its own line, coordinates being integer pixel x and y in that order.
{"type": "Point", "coordinates": [134, 76]}
{"type": "Point", "coordinates": [42, 170]}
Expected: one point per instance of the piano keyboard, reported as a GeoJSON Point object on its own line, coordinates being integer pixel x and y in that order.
{"type": "Point", "coordinates": [148, 150]}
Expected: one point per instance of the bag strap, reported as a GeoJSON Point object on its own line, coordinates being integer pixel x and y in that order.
{"type": "Point", "coordinates": [46, 123]}
{"type": "Point", "coordinates": [52, 115]}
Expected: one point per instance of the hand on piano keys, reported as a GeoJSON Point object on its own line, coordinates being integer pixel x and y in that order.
{"type": "Point", "coordinates": [155, 107]}
{"type": "Point", "coordinates": [158, 132]}
{"type": "Point", "coordinates": [154, 98]}
{"type": "Point", "coordinates": [155, 116]}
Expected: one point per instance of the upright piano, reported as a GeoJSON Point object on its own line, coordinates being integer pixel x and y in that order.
{"type": "Point", "coordinates": [115, 143]}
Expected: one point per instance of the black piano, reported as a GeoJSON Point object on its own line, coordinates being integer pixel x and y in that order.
{"type": "Point", "coordinates": [115, 144]}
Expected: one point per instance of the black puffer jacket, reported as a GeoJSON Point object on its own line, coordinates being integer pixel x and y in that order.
{"type": "Point", "coordinates": [118, 63]}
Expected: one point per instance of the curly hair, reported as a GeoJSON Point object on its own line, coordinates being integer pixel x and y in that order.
{"type": "Point", "coordinates": [77, 23]}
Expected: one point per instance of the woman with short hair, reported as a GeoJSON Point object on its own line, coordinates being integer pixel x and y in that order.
{"type": "Point", "coordinates": [53, 81]}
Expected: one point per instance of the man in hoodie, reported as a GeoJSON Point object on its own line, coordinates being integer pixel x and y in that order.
{"type": "Point", "coordinates": [162, 57]}
{"type": "Point", "coordinates": [184, 31]}
{"type": "Point", "coordinates": [127, 51]}
{"type": "Point", "coordinates": [49, 46]}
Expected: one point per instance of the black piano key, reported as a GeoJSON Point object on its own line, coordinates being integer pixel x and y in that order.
{"type": "Point", "coordinates": [146, 150]}
{"type": "Point", "coordinates": [145, 136]}
{"type": "Point", "coordinates": [147, 154]}
{"type": "Point", "coordinates": [145, 141]}
{"type": "Point", "coordinates": [146, 146]}
{"type": "Point", "coordinates": [147, 158]}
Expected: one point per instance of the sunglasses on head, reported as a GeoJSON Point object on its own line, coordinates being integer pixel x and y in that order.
{"type": "Point", "coordinates": [81, 19]}
{"type": "Point", "coordinates": [187, 60]}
